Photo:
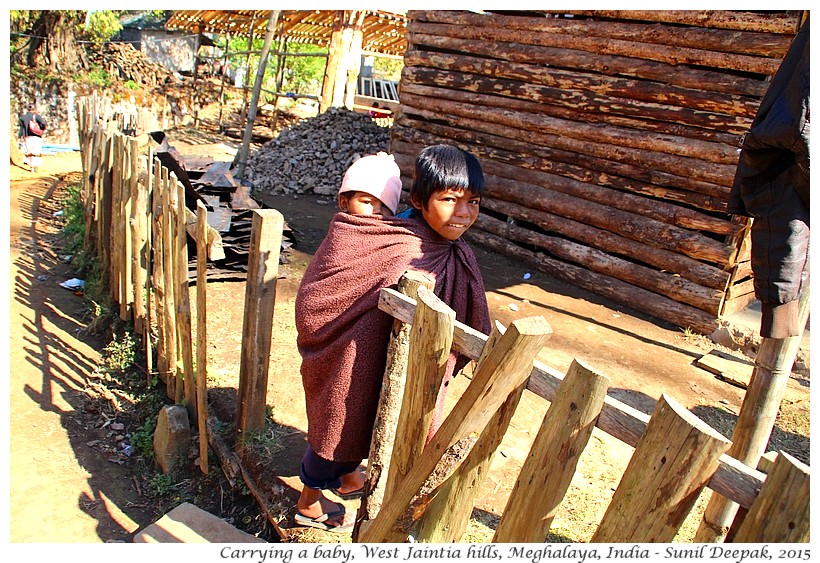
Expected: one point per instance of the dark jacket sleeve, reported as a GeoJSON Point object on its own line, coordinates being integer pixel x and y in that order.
{"type": "Point", "coordinates": [772, 186]}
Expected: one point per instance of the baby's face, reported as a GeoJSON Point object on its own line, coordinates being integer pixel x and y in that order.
{"type": "Point", "coordinates": [362, 203]}
{"type": "Point", "coordinates": [450, 212]}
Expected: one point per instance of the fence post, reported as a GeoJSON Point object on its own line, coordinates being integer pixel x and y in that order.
{"type": "Point", "coordinates": [202, 332]}
{"type": "Point", "coordinates": [170, 302]}
{"type": "Point", "coordinates": [158, 252]}
{"type": "Point", "coordinates": [431, 338]}
{"type": "Point", "coordinates": [780, 514]}
{"type": "Point", "coordinates": [184, 301]}
{"type": "Point", "coordinates": [260, 298]}
{"type": "Point", "coordinates": [147, 254]}
{"type": "Point", "coordinates": [129, 157]}
{"type": "Point", "coordinates": [756, 419]}
{"type": "Point", "coordinates": [550, 465]}
{"type": "Point", "coordinates": [138, 239]}
{"type": "Point", "coordinates": [387, 414]}
{"type": "Point", "coordinates": [504, 369]}
{"type": "Point", "coordinates": [672, 462]}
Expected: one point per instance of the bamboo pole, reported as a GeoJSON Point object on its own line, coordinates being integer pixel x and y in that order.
{"type": "Point", "coordinates": [756, 419]}
{"type": "Point", "coordinates": [672, 462]}
{"type": "Point", "coordinates": [242, 155]}
{"type": "Point", "coordinates": [781, 512]}
{"type": "Point", "coordinates": [202, 333]}
{"type": "Point", "coordinates": [431, 338]}
{"type": "Point", "coordinates": [260, 298]}
{"type": "Point", "coordinates": [503, 370]}
{"type": "Point", "coordinates": [550, 465]}
{"type": "Point", "coordinates": [390, 401]}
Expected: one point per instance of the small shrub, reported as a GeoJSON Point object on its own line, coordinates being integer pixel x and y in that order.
{"type": "Point", "coordinates": [161, 484]}
{"type": "Point", "coordinates": [118, 355]}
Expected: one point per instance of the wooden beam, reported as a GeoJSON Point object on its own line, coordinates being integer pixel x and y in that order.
{"type": "Point", "coordinates": [732, 478]}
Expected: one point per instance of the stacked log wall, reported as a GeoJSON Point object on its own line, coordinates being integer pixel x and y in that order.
{"type": "Point", "coordinates": [609, 141]}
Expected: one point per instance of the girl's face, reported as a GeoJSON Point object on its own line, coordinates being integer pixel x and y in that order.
{"type": "Point", "coordinates": [450, 212]}
{"type": "Point", "coordinates": [362, 203]}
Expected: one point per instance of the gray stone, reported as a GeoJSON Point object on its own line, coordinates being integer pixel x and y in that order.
{"type": "Point", "coordinates": [172, 437]}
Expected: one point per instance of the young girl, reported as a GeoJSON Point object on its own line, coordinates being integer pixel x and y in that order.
{"type": "Point", "coordinates": [342, 334]}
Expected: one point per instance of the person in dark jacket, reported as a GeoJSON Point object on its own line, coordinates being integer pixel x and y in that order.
{"type": "Point", "coordinates": [32, 129]}
{"type": "Point", "coordinates": [772, 186]}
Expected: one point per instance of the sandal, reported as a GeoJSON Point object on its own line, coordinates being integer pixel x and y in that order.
{"type": "Point", "coordinates": [320, 521]}
{"type": "Point", "coordinates": [358, 493]}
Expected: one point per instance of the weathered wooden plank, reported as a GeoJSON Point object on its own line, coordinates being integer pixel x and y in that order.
{"type": "Point", "coordinates": [260, 298]}
{"type": "Point", "coordinates": [685, 87]}
{"type": "Point", "coordinates": [575, 104]}
{"type": "Point", "coordinates": [550, 132]}
{"type": "Point", "coordinates": [724, 40]}
{"type": "Point", "coordinates": [184, 304]}
{"type": "Point", "coordinates": [671, 464]}
{"type": "Point", "coordinates": [667, 285]}
{"type": "Point", "coordinates": [431, 338]}
{"type": "Point", "coordinates": [669, 54]}
{"type": "Point", "coordinates": [782, 22]}
{"type": "Point", "coordinates": [727, 368]}
{"type": "Point", "coordinates": [546, 474]}
{"type": "Point", "coordinates": [448, 513]}
{"type": "Point", "coordinates": [387, 413]}
{"type": "Point", "coordinates": [202, 333]}
{"type": "Point", "coordinates": [504, 147]}
{"type": "Point", "coordinates": [462, 88]}
{"type": "Point", "coordinates": [781, 512]}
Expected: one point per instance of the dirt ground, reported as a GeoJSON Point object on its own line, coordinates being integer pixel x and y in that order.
{"type": "Point", "coordinates": [66, 487]}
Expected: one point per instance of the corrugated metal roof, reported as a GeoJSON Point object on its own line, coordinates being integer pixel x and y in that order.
{"type": "Point", "coordinates": [383, 32]}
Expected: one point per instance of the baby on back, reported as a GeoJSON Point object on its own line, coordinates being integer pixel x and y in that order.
{"type": "Point", "coordinates": [371, 186]}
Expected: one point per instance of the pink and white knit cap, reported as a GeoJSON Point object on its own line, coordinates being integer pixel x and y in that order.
{"type": "Point", "coordinates": [375, 174]}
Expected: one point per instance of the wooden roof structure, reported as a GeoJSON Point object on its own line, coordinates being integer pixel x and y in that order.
{"type": "Point", "coordinates": [383, 32]}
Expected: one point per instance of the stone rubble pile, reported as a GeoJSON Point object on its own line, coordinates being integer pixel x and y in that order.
{"type": "Point", "coordinates": [313, 154]}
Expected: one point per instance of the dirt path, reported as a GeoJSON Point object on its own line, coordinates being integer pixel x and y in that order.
{"type": "Point", "coordinates": [63, 489]}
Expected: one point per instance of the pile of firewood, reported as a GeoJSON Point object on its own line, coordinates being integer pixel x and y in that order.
{"type": "Point", "coordinates": [123, 62]}
{"type": "Point", "coordinates": [313, 155]}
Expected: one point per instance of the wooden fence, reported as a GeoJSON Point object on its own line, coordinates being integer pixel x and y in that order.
{"type": "Point", "coordinates": [428, 490]}
{"type": "Point", "coordinates": [137, 222]}
{"type": "Point", "coordinates": [138, 226]}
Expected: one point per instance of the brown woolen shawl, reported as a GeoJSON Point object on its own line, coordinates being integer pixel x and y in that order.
{"type": "Point", "coordinates": [343, 336]}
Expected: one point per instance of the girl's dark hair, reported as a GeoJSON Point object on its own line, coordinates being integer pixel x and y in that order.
{"type": "Point", "coordinates": [444, 166]}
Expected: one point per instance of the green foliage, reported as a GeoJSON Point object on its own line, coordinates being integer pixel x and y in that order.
{"type": "Point", "coordinates": [118, 355]}
{"type": "Point", "coordinates": [131, 85]}
{"type": "Point", "coordinates": [102, 25]}
{"type": "Point", "coordinates": [143, 438]}
{"type": "Point", "coordinates": [387, 68]}
{"type": "Point", "coordinates": [304, 75]}
{"type": "Point", "coordinates": [161, 484]}
{"type": "Point", "coordinates": [97, 77]}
